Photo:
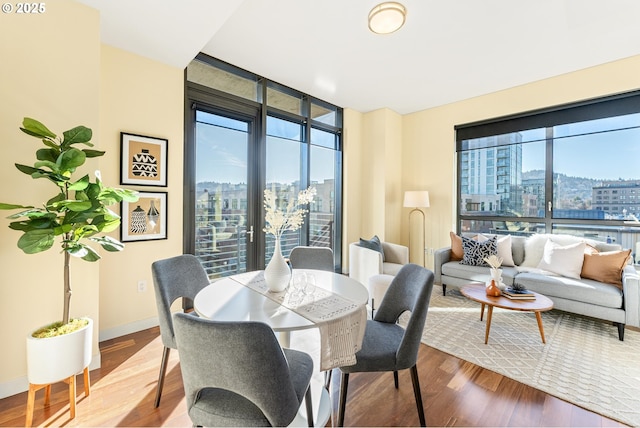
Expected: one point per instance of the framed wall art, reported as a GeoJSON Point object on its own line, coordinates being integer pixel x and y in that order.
{"type": "Point", "coordinates": [146, 219]}
{"type": "Point", "coordinates": [143, 160]}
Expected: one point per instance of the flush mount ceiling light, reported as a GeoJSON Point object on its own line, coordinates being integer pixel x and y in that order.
{"type": "Point", "coordinates": [387, 17]}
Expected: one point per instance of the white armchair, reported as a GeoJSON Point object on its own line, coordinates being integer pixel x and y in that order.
{"type": "Point", "coordinates": [365, 263]}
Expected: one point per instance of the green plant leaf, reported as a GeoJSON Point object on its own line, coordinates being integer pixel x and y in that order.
{"type": "Point", "coordinates": [47, 155]}
{"type": "Point", "coordinates": [51, 165]}
{"type": "Point", "coordinates": [83, 251]}
{"type": "Point", "coordinates": [31, 212]}
{"type": "Point", "coordinates": [109, 243]}
{"type": "Point", "coordinates": [4, 206]}
{"type": "Point", "coordinates": [79, 134]}
{"type": "Point", "coordinates": [29, 170]}
{"type": "Point", "coordinates": [59, 197]}
{"type": "Point", "coordinates": [33, 127]}
{"type": "Point", "coordinates": [34, 224]}
{"type": "Point", "coordinates": [52, 144]}
{"type": "Point", "coordinates": [93, 153]}
{"type": "Point", "coordinates": [71, 159]}
{"type": "Point", "coordinates": [108, 222]}
{"type": "Point", "coordinates": [76, 206]}
{"type": "Point", "coordinates": [80, 184]}
{"type": "Point", "coordinates": [36, 241]}
{"type": "Point", "coordinates": [91, 256]}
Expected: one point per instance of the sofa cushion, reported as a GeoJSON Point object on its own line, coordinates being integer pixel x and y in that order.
{"type": "Point", "coordinates": [476, 273]}
{"type": "Point", "coordinates": [564, 260]}
{"type": "Point", "coordinates": [372, 244]}
{"type": "Point", "coordinates": [605, 267]}
{"type": "Point", "coordinates": [582, 290]}
{"type": "Point", "coordinates": [391, 268]}
{"type": "Point", "coordinates": [475, 252]}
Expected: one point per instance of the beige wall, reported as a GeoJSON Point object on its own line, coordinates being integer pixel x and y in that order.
{"type": "Point", "coordinates": [373, 188]}
{"type": "Point", "coordinates": [142, 97]}
{"type": "Point", "coordinates": [429, 139]}
{"type": "Point", "coordinates": [50, 71]}
{"type": "Point", "coordinates": [63, 79]}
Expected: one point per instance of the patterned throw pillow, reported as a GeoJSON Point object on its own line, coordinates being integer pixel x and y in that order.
{"type": "Point", "coordinates": [475, 252]}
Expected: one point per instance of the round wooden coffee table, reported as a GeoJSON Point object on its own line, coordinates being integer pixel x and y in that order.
{"type": "Point", "coordinates": [476, 292]}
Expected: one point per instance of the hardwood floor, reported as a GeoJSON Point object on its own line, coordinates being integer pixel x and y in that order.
{"type": "Point", "coordinates": [455, 393]}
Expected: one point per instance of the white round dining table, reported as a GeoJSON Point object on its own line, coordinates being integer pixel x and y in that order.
{"type": "Point", "coordinates": [228, 300]}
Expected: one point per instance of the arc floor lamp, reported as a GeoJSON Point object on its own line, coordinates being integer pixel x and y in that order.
{"type": "Point", "coordinates": [417, 199]}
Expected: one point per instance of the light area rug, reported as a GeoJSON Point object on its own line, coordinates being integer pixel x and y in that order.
{"type": "Point", "coordinates": [583, 362]}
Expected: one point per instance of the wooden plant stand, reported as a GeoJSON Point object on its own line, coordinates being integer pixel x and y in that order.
{"type": "Point", "coordinates": [71, 380]}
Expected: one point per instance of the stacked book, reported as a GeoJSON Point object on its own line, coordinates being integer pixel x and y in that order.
{"type": "Point", "coordinates": [518, 294]}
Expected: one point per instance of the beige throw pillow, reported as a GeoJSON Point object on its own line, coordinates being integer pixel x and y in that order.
{"type": "Point", "coordinates": [456, 247]}
{"type": "Point", "coordinates": [605, 267]}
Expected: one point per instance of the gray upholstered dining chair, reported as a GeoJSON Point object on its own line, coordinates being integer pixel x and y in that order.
{"type": "Point", "coordinates": [320, 258]}
{"type": "Point", "coordinates": [173, 278]}
{"type": "Point", "coordinates": [386, 345]}
{"type": "Point", "coordinates": [236, 374]}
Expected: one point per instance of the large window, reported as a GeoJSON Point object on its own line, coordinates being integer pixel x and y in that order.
{"type": "Point", "coordinates": [571, 169]}
{"type": "Point", "coordinates": [246, 133]}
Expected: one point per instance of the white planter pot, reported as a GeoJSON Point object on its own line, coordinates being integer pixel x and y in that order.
{"type": "Point", "coordinates": [53, 359]}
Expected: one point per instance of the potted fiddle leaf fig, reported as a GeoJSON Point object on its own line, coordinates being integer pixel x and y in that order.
{"type": "Point", "coordinates": [76, 214]}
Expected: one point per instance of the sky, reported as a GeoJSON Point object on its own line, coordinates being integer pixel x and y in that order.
{"type": "Point", "coordinates": [600, 155]}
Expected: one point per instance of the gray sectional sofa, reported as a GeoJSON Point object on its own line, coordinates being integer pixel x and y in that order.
{"type": "Point", "coordinates": [577, 295]}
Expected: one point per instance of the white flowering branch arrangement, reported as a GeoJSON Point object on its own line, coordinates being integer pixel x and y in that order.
{"type": "Point", "coordinates": [279, 221]}
{"type": "Point", "coordinates": [494, 261]}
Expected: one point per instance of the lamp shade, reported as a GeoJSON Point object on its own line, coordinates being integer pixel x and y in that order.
{"type": "Point", "coordinates": [387, 17]}
{"type": "Point", "coordinates": [416, 199]}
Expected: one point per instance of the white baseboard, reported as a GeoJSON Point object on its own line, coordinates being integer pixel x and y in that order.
{"type": "Point", "coordinates": [21, 384]}
{"type": "Point", "coordinates": [122, 330]}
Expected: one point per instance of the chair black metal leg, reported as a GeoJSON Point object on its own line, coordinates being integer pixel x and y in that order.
{"type": "Point", "coordinates": [372, 306]}
{"type": "Point", "coordinates": [342, 404]}
{"type": "Point", "coordinates": [163, 371]}
{"type": "Point", "coordinates": [327, 379]}
{"type": "Point", "coordinates": [418, 395]}
{"type": "Point", "coordinates": [444, 290]}
{"type": "Point", "coordinates": [309, 406]}
{"type": "Point", "coordinates": [395, 378]}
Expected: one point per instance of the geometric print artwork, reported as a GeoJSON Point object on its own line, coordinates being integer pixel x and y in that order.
{"type": "Point", "coordinates": [144, 164]}
{"type": "Point", "coordinates": [143, 160]}
{"type": "Point", "coordinates": [583, 361]}
{"type": "Point", "coordinates": [475, 252]}
{"type": "Point", "coordinates": [138, 221]}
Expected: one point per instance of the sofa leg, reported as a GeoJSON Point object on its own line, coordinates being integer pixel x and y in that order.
{"type": "Point", "coordinates": [444, 289]}
{"type": "Point", "coordinates": [620, 331]}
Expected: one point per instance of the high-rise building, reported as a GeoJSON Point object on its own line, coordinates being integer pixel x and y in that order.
{"type": "Point", "coordinates": [491, 176]}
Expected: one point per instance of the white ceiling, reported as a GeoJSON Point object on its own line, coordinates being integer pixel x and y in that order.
{"type": "Point", "coordinates": [447, 51]}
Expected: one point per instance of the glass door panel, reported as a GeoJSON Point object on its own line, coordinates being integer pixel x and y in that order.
{"type": "Point", "coordinates": [221, 235]}
{"type": "Point", "coordinates": [322, 173]}
{"type": "Point", "coordinates": [283, 172]}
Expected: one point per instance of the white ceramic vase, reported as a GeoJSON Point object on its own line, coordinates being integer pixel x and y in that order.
{"type": "Point", "coordinates": [277, 273]}
{"type": "Point", "coordinates": [496, 275]}
{"type": "Point", "coordinates": [53, 359]}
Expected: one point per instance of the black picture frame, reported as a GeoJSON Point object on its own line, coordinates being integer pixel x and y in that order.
{"type": "Point", "coordinates": [146, 219]}
{"type": "Point", "coordinates": [143, 160]}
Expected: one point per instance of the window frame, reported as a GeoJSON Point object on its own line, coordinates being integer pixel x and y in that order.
{"type": "Point", "coordinates": [591, 109]}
